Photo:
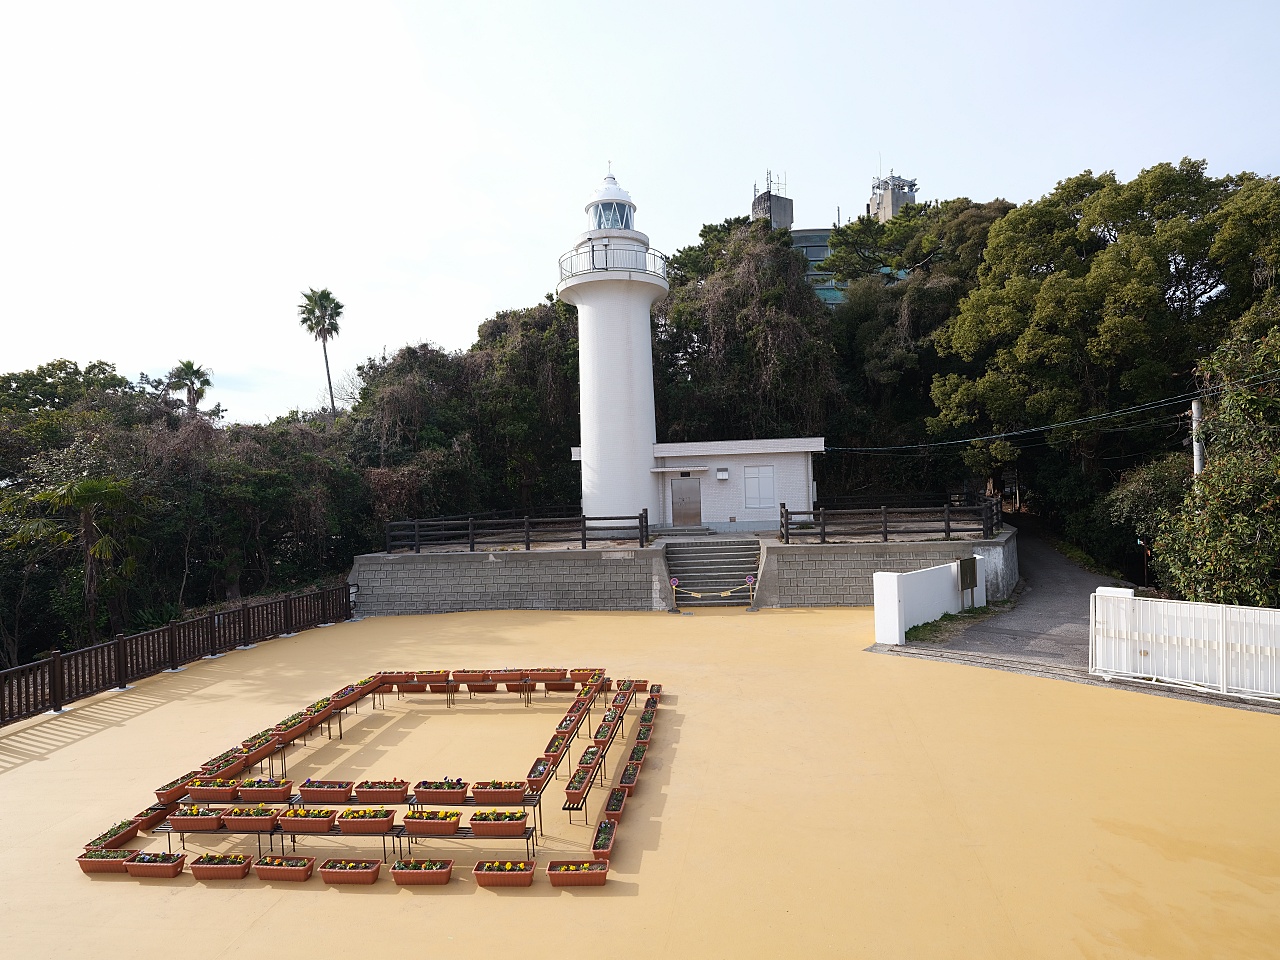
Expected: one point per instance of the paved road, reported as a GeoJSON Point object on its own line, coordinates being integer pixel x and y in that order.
{"type": "Point", "coordinates": [1050, 624]}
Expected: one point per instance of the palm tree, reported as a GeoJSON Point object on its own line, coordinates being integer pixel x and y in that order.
{"type": "Point", "coordinates": [320, 312]}
{"type": "Point", "coordinates": [187, 376]}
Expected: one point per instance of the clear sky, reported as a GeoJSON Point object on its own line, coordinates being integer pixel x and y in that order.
{"type": "Point", "coordinates": [173, 175]}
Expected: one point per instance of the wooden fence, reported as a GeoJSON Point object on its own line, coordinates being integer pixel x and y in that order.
{"type": "Point", "coordinates": [52, 683]}
{"type": "Point", "coordinates": [945, 521]}
{"type": "Point", "coordinates": [514, 531]}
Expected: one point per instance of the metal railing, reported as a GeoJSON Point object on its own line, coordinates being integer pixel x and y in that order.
{"type": "Point", "coordinates": [479, 531]}
{"type": "Point", "coordinates": [603, 256]}
{"type": "Point", "coordinates": [57, 680]}
{"type": "Point", "coordinates": [947, 520]}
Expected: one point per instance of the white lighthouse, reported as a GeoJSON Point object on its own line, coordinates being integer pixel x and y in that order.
{"type": "Point", "coordinates": [613, 278]}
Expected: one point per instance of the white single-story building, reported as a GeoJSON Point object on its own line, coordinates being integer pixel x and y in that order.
{"type": "Point", "coordinates": [732, 484]}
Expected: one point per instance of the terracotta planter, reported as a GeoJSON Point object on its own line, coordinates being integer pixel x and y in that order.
{"type": "Point", "coordinates": [504, 878]}
{"type": "Point", "coordinates": [497, 797]}
{"type": "Point", "coordinates": [615, 815]}
{"type": "Point", "coordinates": [116, 842]}
{"type": "Point", "coordinates": [221, 794]}
{"type": "Point", "coordinates": [561, 686]}
{"type": "Point", "coordinates": [258, 754]}
{"type": "Point", "coordinates": [170, 794]}
{"type": "Point", "coordinates": [581, 675]}
{"type": "Point", "coordinates": [622, 699]}
{"type": "Point", "coordinates": [368, 873]}
{"type": "Point", "coordinates": [556, 746]}
{"type": "Point", "coordinates": [290, 734]}
{"type": "Point", "coordinates": [344, 701]}
{"type": "Point", "coordinates": [629, 769]}
{"type": "Point", "coordinates": [280, 794]}
{"type": "Point", "coordinates": [641, 686]}
{"type": "Point", "coordinates": [479, 687]}
{"type": "Point", "coordinates": [599, 740]}
{"type": "Point", "coordinates": [576, 794]}
{"type": "Point", "coordinates": [367, 824]}
{"type": "Point", "coordinates": [508, 674]}
{"type": "Point", "coordinates": [469, 676]}
{"type": "Point", "coordinates": [603, 853]}
{"type": "Point", "coordinates": [431, 676]}
{"type": "Point", "coordinates": [189, 824]}
{"type": "Point", "coordinates": [159, 871]}
{"type": "Point", "coordinates": [320, 716]}
{"type": "Point", "coordinates": [383, 795]}
{"type": "Point", "coordinates": [498, 828]}
{"type": "Point", "coordinates": [548, 676]}
{"type": "Point", "coordinates": [220, 871]}
{"type": "Point", "coordinates": [423, 794]}
{"type": "Point", "coordinates": [293, 825]}
{"type": "Point", "coordinates": [644, 734]}
{"type": "Point", "coordinates": [520, 687]}
{"type": "Point", "coordinates": [266, 871]}
{"type": "Point", "coordinates": [423, 878]}
{"type": "Point", "coordinates": [331, 791]}
{"type": "Point", "coordinates": [537, 780]}
{"type": "Point", "coordinates": [431, 828]}
{"type": "Point", "coordinates": [226, 771]}
{"type": "Point", "coordinates": [576, 878]}
{"type": "Point", "coordinates": [411, 687]}
{"type": "Point", "coordinates": [568, 724]}
{"type": "Point", "coordinates": [651, 702]}
{"type": "Point", "coordinates": [395, 676]}
{"type": "Point", "coordinates": [105, 866]}
{"type": "Point", "coordinates": [152, 816]}
{"type": "Point", "coordinates": [442, 687]}
{"type": "Point", "coordinates": [250, 823]}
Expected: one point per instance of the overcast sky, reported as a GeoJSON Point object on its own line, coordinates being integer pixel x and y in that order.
{"type": "Point", "coordinates": [173, 175]}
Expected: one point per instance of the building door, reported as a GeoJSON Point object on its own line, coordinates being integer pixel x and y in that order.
{"type": "Point", "coordinates": [686, 502]}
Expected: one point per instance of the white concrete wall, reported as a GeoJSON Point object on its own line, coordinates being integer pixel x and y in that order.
{"type": "Point", "coordinates": [906, 600]}
{"type": "Point", "coordinates": [725, 499]}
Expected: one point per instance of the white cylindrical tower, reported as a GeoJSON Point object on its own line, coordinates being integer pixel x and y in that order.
{"type": "Point", "coordinates": [613, 278]}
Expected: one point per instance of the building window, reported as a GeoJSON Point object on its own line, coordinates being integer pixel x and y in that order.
{"type": "Point", "coordinates": [611, 216]}
{"type": "Point", "coordinates": [759, 486]}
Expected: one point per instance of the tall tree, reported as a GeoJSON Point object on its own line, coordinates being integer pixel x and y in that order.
{"type": "Point", "coordinates": [194, 380]}
{"type": "Point", "coordinates": [320, 311]}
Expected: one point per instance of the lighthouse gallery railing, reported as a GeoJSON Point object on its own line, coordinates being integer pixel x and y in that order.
{"type": "Point", "coordinates": [603, 256]}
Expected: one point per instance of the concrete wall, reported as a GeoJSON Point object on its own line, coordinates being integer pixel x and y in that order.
{"type": "Point", "coordinates": [722, 499]}
{"type": "Point", "coordinates": [906, 600]}
{"type": "Point", "coordinates": [840, 574]}
{"type": "Point", "coordinates": [593, 579]}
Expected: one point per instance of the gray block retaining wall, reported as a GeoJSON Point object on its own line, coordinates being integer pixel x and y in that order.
{"type": "Point", "coordinates": [613, 579]}
{"type": "Point", "coordinates": [839, 574]}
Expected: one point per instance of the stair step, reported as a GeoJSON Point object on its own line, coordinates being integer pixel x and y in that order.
{"type": "Point", "coordinates": [712, 568]}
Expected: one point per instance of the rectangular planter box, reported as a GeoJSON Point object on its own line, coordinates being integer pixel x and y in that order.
{"type": "Point", "coordinates": [119, 840]}
{"type": "Point", "coordinates": [581, 675]}
{"type": "Point", "coordinates": [226, 771]}
{"type": "Point", "coordinates": [469, 676]}
{"type": "Point", "coordinates": [561, 686]}
{"type": "Point", "coordinates": [422, 878]}
{"type": "Point", "coordinates": [250, 824]}
{"type": "Point", "coordinates": [177, 793]}
{"type": "Point", "coordinates": [307, 824]}
{"type": "Point", "coordinates": [261, 752]}
{"type": "Point", "coordinates": [504, 878]}
{"type": "Point", "coordinates": [297, 874]}
{"type": "Point", "coordinates": [157, 871]}
{"type": "Point", "coordinates": [499, 796]}
{"type": "Point", "coordinates": [365, 875]}
{"type": "Point", "coordinates": [331, 793]}
{"type": "Point", "coordinates": [429, 795]}
{"type": "Point", "coordinates": [576, 878]}
{"type": "Point", "coordinates": [549, 676]}
{"type": "Point", "coordinates": [150, 817]}
{"type": "Point", "coordinates": [220, 871]}
{"type": "Point", "coordinates": [280, 794]}
{"type": "Point", "coordinates": [105, 866]}
{"type": "Point", "coordinates": [383, 795]}
{"type": "Point", "coordinates": [520, 687]}
{"type": "Point", "coordinates": [431, 828]}
{"type": "Point", "coordinates": [183, 824]}
{"type": "Point", "coordinates": [367, 824]}
{"type": "Point", "coordinates": [220, 794]}
{"type": "Point", "coordinates": [482, 687]}
{"type": "Point", "coordinates": [615, 815]}
{"type": "Point", "coordinates": [498, 828]}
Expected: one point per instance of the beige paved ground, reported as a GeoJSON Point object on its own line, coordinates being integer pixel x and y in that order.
{"type": "Point", "coordinates": [806, 799]}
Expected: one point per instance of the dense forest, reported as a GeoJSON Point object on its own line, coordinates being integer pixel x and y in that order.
{"type": "Point", "coordinates": [1048, 351]}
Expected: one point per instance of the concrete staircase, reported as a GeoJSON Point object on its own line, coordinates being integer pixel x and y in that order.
{"type": "Point", "coordinates": [711, 567]}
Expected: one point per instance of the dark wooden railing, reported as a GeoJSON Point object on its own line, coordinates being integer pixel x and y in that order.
{"type": "Point", "coordinates": [52, 683]}
{"type": "Point", "coordinates": [514, 531]}
{"type": "Point", "coordinates": [947, 520]}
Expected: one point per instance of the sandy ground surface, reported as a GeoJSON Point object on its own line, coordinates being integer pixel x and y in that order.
{"type": "Point", "coordinates": [805, 798]}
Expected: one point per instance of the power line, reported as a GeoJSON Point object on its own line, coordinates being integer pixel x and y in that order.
{"type": "Point", "coordinates": [1256, 380]}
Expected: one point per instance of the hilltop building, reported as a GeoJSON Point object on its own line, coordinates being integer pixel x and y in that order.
{"type": "Point", "coordinates": [613, 277]}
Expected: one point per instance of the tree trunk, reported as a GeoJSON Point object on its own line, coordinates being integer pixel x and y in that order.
{"type": "Point", "coordinates": [333, 407]}
{"type": "Point", "coordinates": [87, 540]}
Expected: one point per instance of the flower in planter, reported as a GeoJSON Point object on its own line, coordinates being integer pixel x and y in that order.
{"type": "Point", "coordinates": [556, 743]}
{"type": "Point", "coordinates": [173, 784]}
{"type": "Point", "coordinates": [214, 782]}
{"type": "Point", "coordinates": [651, 703]}
{"type": "Point", "coordinates": [366, 681]}
{"type": "Point", "coordinates": [589, 756]}
{"type": "Point", "coordinates": [539, 768]}
{"type": "Point", "coordinates": [645, 733]}
{"type": "Point", "coordinates": [107, 854]}
{"type": "Point", "coordinates": [580, 865]}
{"type": "Point", "coordinates": [506, 867]}
{"type": "Point", "coordinates": [629, 773]}
{"type": "Point", "coordinates": [270, 861]}
{"type": "Point", "coordinates": [656, 688]}
{"type": "Point", "coordinates": [419, 865]}
{"type": "Point", "coordinates": [497, 785]}
{"type": "Point", "coordinates": [305, 813]}
{"type": "Point", "coordinates": [648, 716]}
{"type": "Point", "coordinates": [626, 684]}
{"type": "Point", "coordinates": [220, 860]}
{"type": "Point", "coordinates": [366, 813]}
{"type": "Point", "coordinates": [602, 732]}
{"type": "Point", "coordinates": [257, 811]}
{"type": "Point", "coordinates": [499, 816]}
{"type": "Point", "coordinates": [611, 715]}
{"type": "Point", "coordinates": [638, 752]}
{"type": "Point", "coordinates": [433, 815]}
{"type": "Point", "coordinates": [445, 784]}
{"type": "Point", "coordinates": [115, 831]}
{"type": "Point", "coordinates": [564, 726]}
{"type": "Point", "coordinates": [349, 864]}
{"type": "Point", "coordinates": [604, 834]}
{"type": "Point", "coordinates": [381, 784]}
{"type": "Point", "coordinates": [261, 783]}
{"type": "Point", "coordinates": [194, 810]}
{"type": "Point", "coordinates": [579, 778]}
{"type": "Point", "coordinates": [326, 783]}
{"type": "Point", "coordinates": [157, 857]}
{"type": "Point", "coordinates": [617, 797]}
{"type": "Point", "coordinates": [577, 706]}
{"type": "Point", "coordinates": [293, 720]}
{"type": "Point", "coordinates": [348, 689]}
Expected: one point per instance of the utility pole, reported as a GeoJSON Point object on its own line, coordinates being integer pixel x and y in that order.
{"type": "Point", "coordinates": [1197, 447]}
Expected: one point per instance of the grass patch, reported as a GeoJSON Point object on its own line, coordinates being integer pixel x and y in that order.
{"type": "Point", "coordinates": [949, 624]}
